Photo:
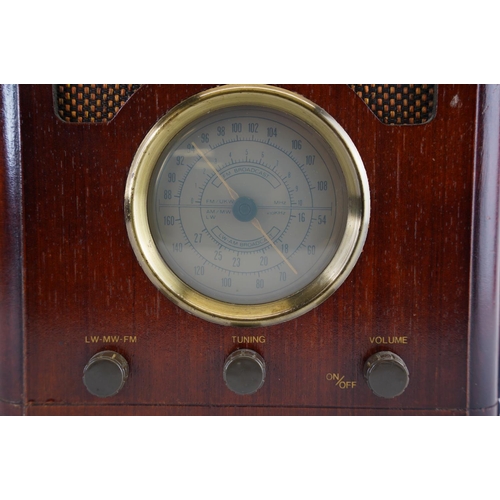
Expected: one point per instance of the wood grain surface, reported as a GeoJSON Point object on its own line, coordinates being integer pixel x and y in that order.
{"type": "Point", "coordinates": [11, 281]}
{"type": "Point", "coordinates": [84, 290]}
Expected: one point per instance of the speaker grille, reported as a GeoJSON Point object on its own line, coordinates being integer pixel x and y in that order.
{"type": "Point", "coordinates": [90, 102]}
{"type": "Point", "coordinates": [392, 104]}
{"type": "Point", "coordinates": [399, 104]}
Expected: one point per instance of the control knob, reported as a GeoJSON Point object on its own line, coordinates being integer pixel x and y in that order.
{"type": "Point", "coordinates": [105, 374]}
{"type": "Point", "coordinates": [386, 374]}
{"type": "Point", "coordinates": [244, 371]}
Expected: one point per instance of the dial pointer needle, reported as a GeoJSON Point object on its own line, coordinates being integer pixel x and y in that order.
{"type": "Point", "coordinates": [234, 196]}
{"type": "Point", "coordinates": [256, 224]}
{"type": "Point", "coordinates": [232, 192]}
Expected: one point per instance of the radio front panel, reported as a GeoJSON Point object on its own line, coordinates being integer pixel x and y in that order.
{"type": "Point", "coordinates": [254, 250]}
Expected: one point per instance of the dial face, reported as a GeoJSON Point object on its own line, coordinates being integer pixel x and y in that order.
{"type": "Point", "coordinates": [248, 207]}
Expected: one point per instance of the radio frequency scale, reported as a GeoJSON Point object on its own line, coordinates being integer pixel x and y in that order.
{"type": "Point", "coordinates": [247, 205]}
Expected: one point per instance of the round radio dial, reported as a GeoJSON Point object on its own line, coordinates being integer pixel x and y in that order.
{"type": "Point", "coordinates": [248, 205]}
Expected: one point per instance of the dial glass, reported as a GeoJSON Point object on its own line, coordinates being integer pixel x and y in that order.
{"type": "Point", "coordinates": [247, 205]}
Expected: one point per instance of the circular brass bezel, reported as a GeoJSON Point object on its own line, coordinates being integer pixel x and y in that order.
{"type": "Point", "coordinates": [169, 283]}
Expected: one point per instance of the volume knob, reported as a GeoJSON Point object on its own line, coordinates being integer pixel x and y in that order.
{"type": "Point", "coordinates": [105, 374]}
{"type": "Point", "coordinates": [386, 374]}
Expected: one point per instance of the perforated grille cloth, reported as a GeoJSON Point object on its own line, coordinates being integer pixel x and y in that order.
{"type": "Point", "coordinates": [399, 104]}
{"type": "Point", "coordinates": [393, 104]}
{"type": "Point", "coordinates": [90, 102]}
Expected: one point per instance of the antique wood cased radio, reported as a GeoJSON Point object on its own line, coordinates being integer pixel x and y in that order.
{"type": "Point", "coordinates": [249, 249]}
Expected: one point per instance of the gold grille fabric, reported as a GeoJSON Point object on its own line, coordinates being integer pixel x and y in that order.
{"type": "Point", "coordinates": [393, 104]}
{"type": "Point", "coordinates": [90, 102]}
{"type": "Point", "coordinates": [399, 104]}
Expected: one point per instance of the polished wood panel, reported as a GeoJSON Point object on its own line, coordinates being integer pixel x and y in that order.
{"type": "Point", "coordinates": [10, 409]}
{"type": "Point", "coordinates": [485, 293]}
{"type": "Point", "coordinates": [256, 411]}
{"type": "Point", "coordinates": [11, 303]}
{"type": "Point", "coordinates": [84, 287]}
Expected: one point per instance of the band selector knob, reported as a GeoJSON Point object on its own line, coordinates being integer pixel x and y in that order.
{"type": "Point", "coordinates": [105, 374]}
